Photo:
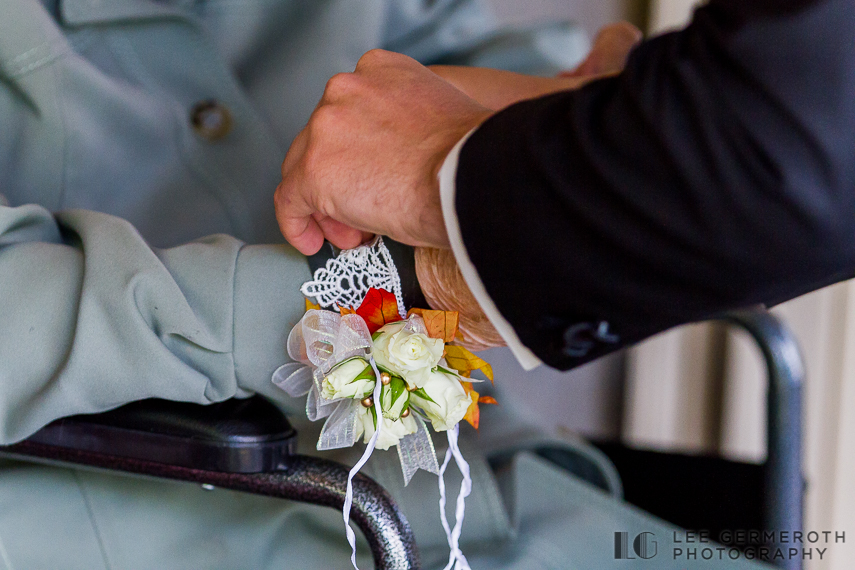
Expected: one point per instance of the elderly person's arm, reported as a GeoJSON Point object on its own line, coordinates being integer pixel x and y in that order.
{"type": "Point", "coordinates": [92, 317]}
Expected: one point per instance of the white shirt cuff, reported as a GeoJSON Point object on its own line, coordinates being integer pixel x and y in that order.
{"type": "Point", "coordinates": [447, 191]}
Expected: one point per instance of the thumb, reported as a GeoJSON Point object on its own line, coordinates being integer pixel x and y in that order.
{"type": "Point", "coordinates": [296, 221]}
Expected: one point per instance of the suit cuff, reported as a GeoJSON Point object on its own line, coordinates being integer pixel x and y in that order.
{"type": "Point", "coordinates": [447, 190]}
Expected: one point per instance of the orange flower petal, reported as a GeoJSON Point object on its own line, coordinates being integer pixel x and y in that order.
{"type": "Point", "coordinates": [378, 308]}
{"type": "Point", "coordinates": [440, 324]}
{"type": "Point", "coordinates": [473, 413]}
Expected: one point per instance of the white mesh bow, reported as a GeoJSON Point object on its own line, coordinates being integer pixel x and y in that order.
{"type": "Point", "coordinates": [320, 341]}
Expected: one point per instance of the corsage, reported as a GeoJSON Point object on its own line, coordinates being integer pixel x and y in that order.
{"type": "Point", "coordinates": [381, 375]}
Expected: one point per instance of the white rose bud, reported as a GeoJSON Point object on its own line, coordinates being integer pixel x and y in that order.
{"type": "Point", "coordinates": [394, 398]}
{"type": "Point", "coordinates": [408, 354]}
{"type": "Point", "coordinates": [443, 400]}
{"type": "Point", "coordinates": [392, 432]}
{"type": "Point", "coordinates": [352, 378]}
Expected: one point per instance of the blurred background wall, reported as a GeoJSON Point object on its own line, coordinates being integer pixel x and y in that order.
{"type": "Point", "coordinates": [701, 388]}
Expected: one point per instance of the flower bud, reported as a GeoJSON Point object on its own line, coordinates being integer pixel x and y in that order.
{"type": "Point", "coordinates": [394, 398]}
{"type": "Point", "coordinates": [392, 432]}
{"type": "Point", "coordinates": [353, 378]}
{"type": "Point", "coordinates": [443, 400]}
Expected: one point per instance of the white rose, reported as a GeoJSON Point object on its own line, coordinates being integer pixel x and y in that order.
{"type": "Point", "coordinates": [446, 401]}
{"type": "Point", "coordinates": [392, 432]}
{"type": "Point", "coordinates": [351, 379]}
{"type": "Point", "coordinates": [406, 353]}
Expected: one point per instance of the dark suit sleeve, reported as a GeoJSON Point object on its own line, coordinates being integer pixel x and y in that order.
{"type": "Point", "coordinates": [717, 171]}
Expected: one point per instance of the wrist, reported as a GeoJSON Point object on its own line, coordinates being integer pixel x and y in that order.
{"type": "Point", "coordinates": [431, 224]}
{"type": "Point", "coordinates": [445, 289]}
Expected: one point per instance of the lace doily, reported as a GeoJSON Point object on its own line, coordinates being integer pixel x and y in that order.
{"type": "Point", "coordinates": [346, 279]}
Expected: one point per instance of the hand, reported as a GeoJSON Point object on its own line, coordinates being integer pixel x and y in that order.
{"type": "Point", "coordinates": [368, 159]}
{"type": "Point", "coordinates": [610, 51]}
{"type": "Point", "coordinates": [498, 89]}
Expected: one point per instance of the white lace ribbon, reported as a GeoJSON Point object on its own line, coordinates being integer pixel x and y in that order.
{"type": "Point", "coordinates": [347, 278]}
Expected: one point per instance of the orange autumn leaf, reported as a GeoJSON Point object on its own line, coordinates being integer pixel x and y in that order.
{"type": "Point", "coordinates": [465, 362]}
{"type": "Point", "coordinates": [439, 324]}
{"type": "Point", "coordinates": [473, 413]}
{"type": "Point", "coordinates": [345, 311]}
{"type": "Point", "coordinates": [378, 308]}
{"type": "Point", "coordinates": [311, 305]}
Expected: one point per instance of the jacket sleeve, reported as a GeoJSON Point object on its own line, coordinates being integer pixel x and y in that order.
{"type": "Point", "coordinates": [91, 317]}
{"type": "Point", "coordinates": [717, 171]}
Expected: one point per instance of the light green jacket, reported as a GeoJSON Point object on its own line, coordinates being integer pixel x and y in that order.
{"type": "Point", "coordinates": [98, 309]}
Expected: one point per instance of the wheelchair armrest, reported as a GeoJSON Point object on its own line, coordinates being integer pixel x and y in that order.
{"type": "Point", "coordinates": [243, 445]}
{"type": "Point", "coordinates": [235, 436]}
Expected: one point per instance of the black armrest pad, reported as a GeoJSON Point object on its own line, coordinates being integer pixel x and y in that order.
{"type": "Point", "coordinates": [235, 436]}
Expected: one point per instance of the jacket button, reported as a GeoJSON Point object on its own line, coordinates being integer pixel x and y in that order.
{"type": "Point", "coordinates": [580, 338]}
{"type": "Point", "coordinates": [211, 120]}
{"type": "Point", "coordinates": [577, 340]}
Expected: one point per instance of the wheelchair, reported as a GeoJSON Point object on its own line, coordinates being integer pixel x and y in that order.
{"type": "Point", "coordinates": [248, 445]}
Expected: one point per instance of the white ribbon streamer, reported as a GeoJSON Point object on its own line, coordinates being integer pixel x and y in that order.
{"type": "Point", "coordinates": [455, 557]}
{"type": "Point", "coordinates": [348, 497]}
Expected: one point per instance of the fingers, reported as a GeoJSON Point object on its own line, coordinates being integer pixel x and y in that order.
{"type": "Point", "coordinates": [339, 234]}
{"type": "Point", "coordinates": [610, 50]}
{"type": "Point", "coordinates": [299, 220]}
{"type": "Point", "coordinates": [301, 231]}
{"type": "Point", "coordinates": [293, 212]}
{"type": "Point", "coordinates": [295, 153]}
